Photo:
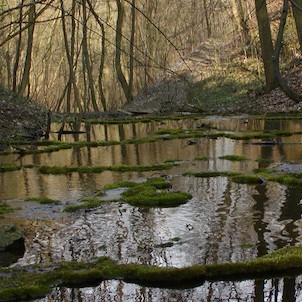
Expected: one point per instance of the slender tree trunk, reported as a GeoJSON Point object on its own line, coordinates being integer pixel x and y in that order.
{"type": "Point", "coordinates": [18, 49]}
{"type": "Point", "coordinates": [297, 10]}
{"type": "Point", "coordinates": [240, 22]}
{"type": "Point", "coordinates": [131, 50]}
{"type": "Point", "coordinates": [288, 90]}
{"type": "Point", "coordinates": [28, 59]}
{"type": "Point", "coordinates": [207, 18]}
{"type": "Point", "coordinates": [102, 59]}
{"type": "Point", "coordinates": [87, 59]}
{"type": "Point", "coordinates": [118, 51]}
{"type": "Point", "coordinates": [266, 42]}
{"type": "Point", "coordinates": [70, 59]}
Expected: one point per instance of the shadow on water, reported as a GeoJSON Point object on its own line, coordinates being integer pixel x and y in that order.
{"type": "Point", "coordinates": [223, 222]}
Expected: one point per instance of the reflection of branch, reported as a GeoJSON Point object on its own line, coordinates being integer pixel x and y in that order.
{"type": "Point", "coordinates": [283, 85]}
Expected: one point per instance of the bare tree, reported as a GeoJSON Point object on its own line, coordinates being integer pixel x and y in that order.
{"type": "Point", "coordinates": [297, 10]}
{"type": "Point", "coordinates": [266, 42]}
{"type": "Point", "coordinates": [28, 60]}
{"type": "Point", "coordinates": [118, 51]}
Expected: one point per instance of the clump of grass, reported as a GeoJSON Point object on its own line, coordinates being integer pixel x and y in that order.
{"type": "Point", "coordinates": [44, 200]}
{"type": "Point", "coordinates": [233, 157]}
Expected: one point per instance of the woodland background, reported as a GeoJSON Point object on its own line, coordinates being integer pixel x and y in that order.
{"type": "Point", "coordinates": [88, 55]}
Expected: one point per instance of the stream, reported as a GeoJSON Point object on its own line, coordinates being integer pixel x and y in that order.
{"type": "Point", "coordinates": [223, 222]}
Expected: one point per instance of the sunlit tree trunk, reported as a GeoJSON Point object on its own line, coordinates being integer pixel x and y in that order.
{"type": "Point", "coordinates": [297, 10]}
{"type": "Point", "coordinates": [267, 49]}
{"type": "Point", "coordinates": [118, 51]}
{"type": "Point", "coordinates": [131, 50]}
{"type": "Point", "coordinates": [28, 59]}
{"type": "Point", "coordinates": [102, 57]}
{"type": "Point", "coordinates": [87, 59]}
{"type": "Point", "coordinates": [18, 49]}
{"type": "Point", "coordinates": [241, 22]}
{"type": "Point", "coordinates": [282, 83]}
{"type": "Point", "coordinates": [70, 58]}
{"type": "Point", "coordinates": [207, 19]}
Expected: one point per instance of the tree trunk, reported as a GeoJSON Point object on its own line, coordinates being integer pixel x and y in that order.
{"type": "Point", "coordinates": [70, 59]}
{"type": "Point", "coordinates": [118, 51]}
{"type": "Point", "coordinates": [102, 60]}
{"type": "Point", "coordinates": [207, 18]}
{"type": "Point", "coordinates": [30, 36]}
{"type": "Point", "coordinates": [18, 49]}
{"type": "Point", "coordinates": [87, 59]}
{"type": "Point", "coordinates": [131, 50]}
{"type": "Point", "coordinates": [266, 42]}
{"type": "Point", "coordinates": [240, 22]}
{"type": "Point", "coordinates": [297, 10]}
{"type": "Point", "coordinates": [288, 90]}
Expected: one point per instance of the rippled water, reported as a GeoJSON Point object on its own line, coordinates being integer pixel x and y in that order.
{"type": "Point", "coordinates": [224, 221]}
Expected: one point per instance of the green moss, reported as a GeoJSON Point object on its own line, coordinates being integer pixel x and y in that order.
{"type": "Point", "coordinates": [100, 169]}
{"type": "Point", "coordinates": [225, 87]}
{"type": "Point", "coordinates": [126, 168]}
{"type": "Point", "coordinates": [265, 160]}
{"type": "Point", "coordinates": [247, 179]}
{"type": "Point", "coordinates": [9, 167]}
{"type": "Point", "coordinates": [233, 157]}
{"type": "Point", "coordinates": [247, 245]}
{"type": "Point", "coordinates": [211, 173]}
{"type": "Point", "coordinates": [202, 158]}
{"type": "Point", "coordinates": [173, 161]}
{"type": "Point", "coordinates": [146, 195]}
{"type": "Point", "coordinates": [8, 235]}
{"type": "Point", "coordinates": [120, 121]}
{"type": "Point", "coordinates": [35, 281]}
{"type": "Point", "coordinates": [88, 203]}
{"type": "Point", "coordinates": [44, 200]}
{"type": "Point", "coordinates": [23, 293]}
{"type": "Point", "coordinates": [5, 208]}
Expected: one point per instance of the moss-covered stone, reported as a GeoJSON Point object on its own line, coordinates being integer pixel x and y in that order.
{"type": "Point", "coordinates": [9, 167]}
{"type": "Point", "coordinates": [9, 234]}
{"type": "Point", "coordinates": [36, 281]}
{"type": "Point", "coordinates": [44, 200]}
{"type": "Point", "coordinates": [247, 179]}
{"type": "Point", "coordinates": [100, 169]}
{"type": "Point", "coordinates": [5, 208]}
{"type": "Point", "coordinates": [233, 157]}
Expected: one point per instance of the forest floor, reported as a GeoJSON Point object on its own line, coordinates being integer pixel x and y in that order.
{"type": "Point", "coordinates": [204, 82]}
{"type": "Point", "coordinates": [216, 80]}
